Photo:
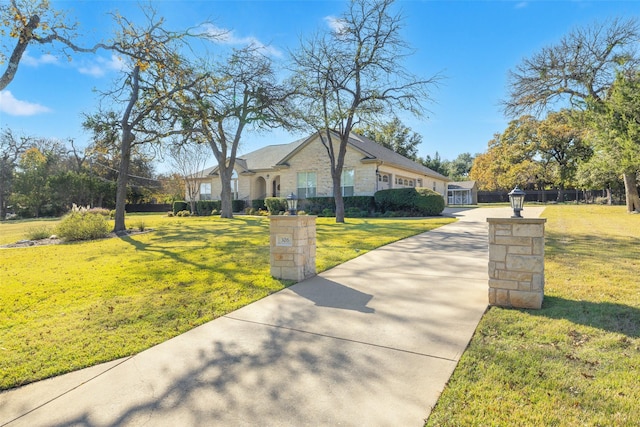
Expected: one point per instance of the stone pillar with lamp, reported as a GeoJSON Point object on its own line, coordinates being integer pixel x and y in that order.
{"type": "Point", "coordinates": [293, 244]}
{"type": "Point", "coordinates": [516, 258]}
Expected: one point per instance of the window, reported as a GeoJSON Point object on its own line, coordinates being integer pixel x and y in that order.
{"type": "Point", "coordinates": [205, 191]}
{"type": "Point", "coordinates": [434, 186]}
{"type": "Point", "coordinates": [346, 181]}
{"type": "Point", "coordinates": [385, 178]}
{"type": "Point", "coordinates": [234, 185]}
{"type": "Point", "coordinates": [307, 183]}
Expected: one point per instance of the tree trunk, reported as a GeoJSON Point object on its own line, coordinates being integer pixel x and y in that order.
{"type": "Point", "coordinates": [3, 212]}
{"type": "Point", "coordinates": [226, 205]}
{"type": "Point", "coordinates": [121, 186]}
{"type": "Point", "coordinates": [609, 197]}
{"type": "Point", "coordinates": [192, 204]}
{"type": "Point", "coordinates": [631, 192]}
{"type": "Point", "coordinates": [337, 195]}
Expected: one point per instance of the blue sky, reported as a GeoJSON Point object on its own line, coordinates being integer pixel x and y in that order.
{"type": "Point", "coordinates": [473, 44]}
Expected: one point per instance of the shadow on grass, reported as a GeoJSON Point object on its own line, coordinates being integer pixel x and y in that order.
{"type": "Point", "coordinates": [610, 317]}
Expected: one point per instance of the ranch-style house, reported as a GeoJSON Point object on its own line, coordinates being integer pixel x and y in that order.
{"type": "Point", "coordinates": [302, 167]}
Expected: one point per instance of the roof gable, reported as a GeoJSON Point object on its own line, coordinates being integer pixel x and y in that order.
{"type": "Point", "coordinates": [273, 156]}
{"type": "Point", "coordinates": [461, 185]}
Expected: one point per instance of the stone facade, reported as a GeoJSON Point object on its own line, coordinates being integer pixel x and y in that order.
{"type": "Point", "coordinates": [257, 179]}
{"type": "Point", "coordinates": [293, 246]}
{"type": "Point", "coordinates": [516, 262]}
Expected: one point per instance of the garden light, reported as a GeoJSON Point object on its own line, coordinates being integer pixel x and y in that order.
{"type": "Point", "coordinates": [516, 197]}
{"type": "Point", "coordinates": [292, 203]}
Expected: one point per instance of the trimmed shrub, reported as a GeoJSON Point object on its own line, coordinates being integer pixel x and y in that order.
{"type": "Point", "coordinates": [237, 205]}
{"type": "Point", "coordinates": [179, 206]}
{"type": "Point", "coordinates": [275, 205]}
{"type": "Point", "coordinates": [413, 201]}
{"type": "Point", "coordinates": [353, 212]}
{"type": "Point", "coordinates": [183, 213]}
{"type": "Point", "coordinates": [82, 226]}
{"type": "Point", "coordinates": [429, 202]}
{"type": "Point", "coordinates": [102, 211]}
{"type": "Point", "coordinates": [39, 232]}
{"type": "Point", "coordinates": [364, 203]}
{"type": "Point", "coordinates": [206, 207]}
{"type": "Point", "coordinates": [327, 213]}
{"type": "Point", "coordinates": [257, 204]}
{"type": "Point", "coordinates": [316, 205]}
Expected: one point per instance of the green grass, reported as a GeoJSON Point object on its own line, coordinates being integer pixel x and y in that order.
{"type": "Point", "coordinates": [65, 307]}
{"type": "Point", "coordinates": [577, 360]}
{"type": "Point", "coordinates": [12, 231]}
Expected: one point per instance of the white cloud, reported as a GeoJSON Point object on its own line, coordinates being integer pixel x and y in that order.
{"type": "Point", "coordinates": [103, 65]}
{"type": "Point", "coordinates": [14, 107]}
{"type": "Point", "coordinates": [31, 61]}
{"type": "Point", "coordinates": [522, 5]}
{"type": "Point", "coordinates": [228, 37]}
{"type": "Point", "coordinates": [337, 25]}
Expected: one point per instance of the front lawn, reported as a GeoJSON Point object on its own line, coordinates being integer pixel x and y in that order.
{"type": "Point", "coordinates": [65, 307]}
{"type": "Point", "coordinates": [577, 360]}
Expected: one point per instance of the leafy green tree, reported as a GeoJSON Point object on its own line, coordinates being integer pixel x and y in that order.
{"type": "Point", "coordinates": [31, 187]}
{"type": "Point", "coordinates": [460, 167]}
{"type": "Point", "coordinates": [436, 164]}
{"type": "Point", "coordinates": [393, 135]}
{"type": "Point", "coordinates": [510, 159]}
{"type": "Point", "coordinates": [616, 121]}
{"type": "Point", "coordinates": [579, 70]}
{"type": "Point", "coordinates": [561, 146]}
{"type": "Point", "coordinates": [599, 172]}
{"type": "Point", "coordinates": [352, 73]}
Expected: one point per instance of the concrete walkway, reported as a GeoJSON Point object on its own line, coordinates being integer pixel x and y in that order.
{"type": "Point", "coordinates": [371, 342]}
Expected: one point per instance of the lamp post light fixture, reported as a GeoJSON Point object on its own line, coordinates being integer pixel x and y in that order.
{"type": "Point", "coordinates": [516, 197]}
{"type": "Point", "coordinates": [292, 203]}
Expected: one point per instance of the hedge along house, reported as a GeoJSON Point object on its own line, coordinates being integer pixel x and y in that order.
{"type": "Point", "coordinates": [302, 167]}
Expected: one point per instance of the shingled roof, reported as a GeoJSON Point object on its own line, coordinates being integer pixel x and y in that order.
{"type": "Point", "coordinates": [269, 157]}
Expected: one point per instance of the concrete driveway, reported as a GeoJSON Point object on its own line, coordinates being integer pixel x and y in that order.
{"type": "Point", "coordinates": [371, 342]}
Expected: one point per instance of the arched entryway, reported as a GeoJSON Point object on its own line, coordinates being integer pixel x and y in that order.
{"type": "Point", "coordinates": [260, 189]}
{"type": "Point", "coordinates": [275, 186]}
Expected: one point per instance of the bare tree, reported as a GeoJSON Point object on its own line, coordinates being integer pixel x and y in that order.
{"type": "Point", "coordinates": [12, 147]}
{"type": "Point", "coordinates": [353, 73]}
{"type": "Point", "coordinates": [33, 22]}
{"type": "Point", "coordinates": [582, 66]}
{"type": "Point", "coordinates": [189, 160]}
{"type": "Point", "coordinates": [239, 94]}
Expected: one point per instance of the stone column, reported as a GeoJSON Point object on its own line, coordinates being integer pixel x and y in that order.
{"type": "Point", "coordinates": [516, 262]}
{"type": "Point", "coordinates": [293, 246]}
